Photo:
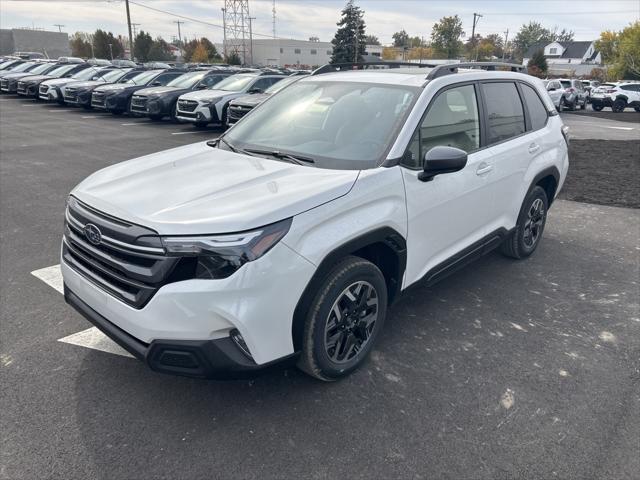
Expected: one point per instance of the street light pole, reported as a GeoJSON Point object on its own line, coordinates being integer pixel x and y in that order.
{"type": "Point", "coordinates": [473, 34]}
{"type": "Point", "coordinates": [129, 26]}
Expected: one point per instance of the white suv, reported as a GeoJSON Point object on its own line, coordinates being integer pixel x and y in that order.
{"type": "Point", "coordinates": [289, 236]}
{"type": "Point", "coordinates": [617, 96]}
{"type": "Point", "coordinates": [210, 106]}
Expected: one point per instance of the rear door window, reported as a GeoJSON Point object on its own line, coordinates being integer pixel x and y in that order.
{"type": "Point", "coordinates": [505, 115]}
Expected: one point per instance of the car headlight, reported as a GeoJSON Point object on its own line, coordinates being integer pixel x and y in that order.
{"type": "Point", "coordinates": [219, 256]}
{"type": "Point", "coordinates": [210, 102]}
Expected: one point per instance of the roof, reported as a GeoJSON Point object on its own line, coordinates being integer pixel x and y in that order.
{"type": "Point", "coordinates": [571, 49]}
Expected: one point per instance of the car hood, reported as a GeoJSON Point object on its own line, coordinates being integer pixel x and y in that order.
{"type": "Point", "coordinates": [88, 84]}
{"type": "Point", "coordinates": [251, 100]}
{"type": "Point", "coordinates": [15, 75]}
{"type": "Point", "coordinates": [196, 189]}
{"type": "Point", "coordinates": [114, 87]}
{"type": "Point", "coordinates": [59, 82]}
{"type": "Point", "coordinates": [35, 78]}
{"type": "Point", "coordinates": [155, 91]}
{"type": "Point", "coordinates": [205, 94]}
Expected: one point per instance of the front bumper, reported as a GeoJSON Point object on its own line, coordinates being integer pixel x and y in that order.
{"type": "Point", "coordinates": [200, 114]}
{"type": "Point", "coordinates": [602, 100]}
{"type": "Point", "coordinates": [8, 86]}
{"type": "Point", "coordinates": [249, 301]}
{"type": "Point", "coordinates": [219, 359]}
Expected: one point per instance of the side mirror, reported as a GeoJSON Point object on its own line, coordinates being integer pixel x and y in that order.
{"type": "Point", "coordinates": [155, 84]}
{"type": "Point", "coordinates": [255, 90]}
{"type": "Point", "coordinates": [201, 87]}
{"type": "Point", "coordinates": [441, 160]}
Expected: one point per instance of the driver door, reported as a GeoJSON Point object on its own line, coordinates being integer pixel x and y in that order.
{"type": "Point", "coordinates": [451, 212]}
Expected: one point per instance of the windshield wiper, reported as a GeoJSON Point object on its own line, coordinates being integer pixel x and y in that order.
{"type": "Point", "coordinates": [297, 159]}
{"type": "Point", "coordinates": [233, 148]}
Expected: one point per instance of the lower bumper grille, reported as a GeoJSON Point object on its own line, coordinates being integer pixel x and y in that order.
{"type": "Point", "coordinates": [97, 100]}
{"type": "Point", "coordinates": [139, 104]}
{"type": "Point", "coordinates": [236, 113]}
{"type": "Point", "coordinates": [187, 105]}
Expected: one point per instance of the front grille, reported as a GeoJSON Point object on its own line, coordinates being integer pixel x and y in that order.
{"type": "Point", "coordinates": [187, 105]}
{"type": "Point", "coordinates": [138, 103]}
{"type": "Point", "coordinates": [235, 113]}
{"type": "Point", "coordinates": [4, 85]}
{"type": "Point", "coordinates": [128, 262]}
{"type": "Point", "coordinates": [97, 99]}
{"type": "Point", "coordinates": [70, 95]}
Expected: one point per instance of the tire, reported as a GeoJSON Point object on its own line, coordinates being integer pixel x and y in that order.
{"type": "Point", "coordinates": [561, 105]}
{"type": "Point", "coordinates": [156, 118]}
{"type": "Point", "coordinates": [223, 122]}
{"type": "Point", "coordinates": [637, 109]}
{"type": "Point", "coordinates": [597, 106]}
{"type": "Point", "coordinates": [87, 107]}
{"type": "Point", "coordinates": [336, 319]}
{"type": "Point", "coordinates": [524, 239]}
{"type": "Point", "coordinates": [200, 124]}
{"type": "Point", "coordinates": [584, 105]}
{"type": "Point", "coordinates": [619, 105]}
{"type": "Point", "coordinates": [573, 106]}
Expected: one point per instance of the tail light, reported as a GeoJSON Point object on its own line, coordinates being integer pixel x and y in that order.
{"type": "Point", "coordinates": [571, 90]}
{"type": "Point", "coordinates": [611, 90]}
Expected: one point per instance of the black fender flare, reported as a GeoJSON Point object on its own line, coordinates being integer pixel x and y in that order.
{"type": "Point", "coordinates": [385, 235]}
{"type": "Point", "coordinates": [549, 171]}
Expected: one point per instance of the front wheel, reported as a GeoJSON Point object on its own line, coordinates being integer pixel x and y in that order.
{"type": "Point", "coordinates": [637, 109]}
{"type": "Point", "coordinates": [156, 118]}
{"type": "Point", "coordinates": [597, 106]}
{"type": "Point", "coordinates": [344, 320]}
{"type": "Point", "coordinates": [619, 105]}
{"type": "Point", "coordinates": [524, 239]}
{"type": "Point", "coordinates": [584, 105]}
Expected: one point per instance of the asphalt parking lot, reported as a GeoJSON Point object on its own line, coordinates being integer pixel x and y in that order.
{"type": "Point", "coordinates": [504, 370]}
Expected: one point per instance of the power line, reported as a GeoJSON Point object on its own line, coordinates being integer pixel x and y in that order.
{"type": "Point", "coordinates": [59, 26]}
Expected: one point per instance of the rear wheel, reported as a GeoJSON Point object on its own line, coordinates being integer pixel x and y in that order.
{"type": "Point", "coordinates": [573, 105]}
{"type": "Point", "coordinates": [619, 105]}
{"type": "Point", "coordinates": [344, 319]}
{"type": "Point", "coordinates": [561, 105]}
{"type": "Point", "coordinates": [525, 238]}
{"type": "Point", "coordinates": [584, 105]}
{"type": "Point", "coordinates": [597, 106]}
{"type": "Point", "coordinates": [637, 109]}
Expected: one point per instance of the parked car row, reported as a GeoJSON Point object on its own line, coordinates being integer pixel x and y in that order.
{"type": "Point", "coordinates": [200, 96]}
{"type": "Point", "coordinates": [571, 94]}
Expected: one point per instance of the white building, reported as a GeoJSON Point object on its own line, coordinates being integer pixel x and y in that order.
{"type": "Point", "coordinates": [567, 58]}
{"type": "Point", "coordinates": [304, 54]}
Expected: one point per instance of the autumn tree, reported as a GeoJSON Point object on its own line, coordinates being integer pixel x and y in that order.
{"type": "Point", "coordinates": [200, 54]}
{"type": "Point", "coordinates": [626, 54]}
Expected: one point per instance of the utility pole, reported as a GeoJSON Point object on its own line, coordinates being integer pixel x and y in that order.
{"type": "Point", "coordinates": [224, 32]}
{"type": "Point", "coordinates": [506, 42]}
{"type": "Point", "coordinates": [59, 26]}
{"type": "Point", "coordinates": [179, 37]}
{"type": "Point", "coordinates": [129, 26]}
{"type": "Point", "coordinates": [273, 12]}
{"type": "Point", "coordinates": [473, 33]}
{"type": "Point", "coordinates": [111, 50]}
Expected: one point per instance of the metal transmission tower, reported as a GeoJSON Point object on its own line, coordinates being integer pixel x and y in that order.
{"type": "Point", "coordinates": [237, 28]}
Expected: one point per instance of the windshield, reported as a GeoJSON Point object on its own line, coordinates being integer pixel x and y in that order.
{"type": "Point", "coordinates": [281, 84]}
{"type": "Point", "coordinates": [142, 78]}
{"type": "Point", "coordinates": [60, 71]}
{"type": "Point", "coordinates": [234, 83]}
{"type": "Point", "coordinates": [565, 83]}
{"type": "Point", "coordinates": [111, 75]}
{"type": "Point", "coordinates": [6, 64]}
{"type": "Point", "coordinates": [341, 125]}
{"type": "Point", "coordinates": [85, 74]}
{"type": "Point", "coordinates": [24, 66]}
{"type": "Point", "coordinates": [45, 67]}
{"type": "Point", "coordinates": [187, 80]}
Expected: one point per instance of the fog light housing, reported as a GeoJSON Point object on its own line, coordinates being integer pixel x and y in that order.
{"type": "Point", "coordinates": [240, 343]}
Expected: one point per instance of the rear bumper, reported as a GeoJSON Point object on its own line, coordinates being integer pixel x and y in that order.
{"type": "Point", "coordinates": [215, 359]}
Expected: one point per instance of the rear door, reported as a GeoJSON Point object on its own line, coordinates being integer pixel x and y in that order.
{"type": "Point", "coordinates": [513, 143]}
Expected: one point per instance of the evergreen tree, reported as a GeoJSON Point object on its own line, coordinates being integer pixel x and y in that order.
{"type": "Point", "coordinates": [537, 65]}
{"type": "Point", "coordinates": [101, 42]}
{"type": "Point", "coordinates": [141, 46]}
{"type": "Point", "coordinates": [350, 35]}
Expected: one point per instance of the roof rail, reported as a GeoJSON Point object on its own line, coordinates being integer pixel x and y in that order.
{"type": "Point", "coordinates": [341, 67]}
{"type": "Point", "coordinates": [449, 68]}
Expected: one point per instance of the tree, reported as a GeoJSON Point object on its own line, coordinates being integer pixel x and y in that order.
{"type": "Point", "coordinates": [420, 53]}
{"type": "Point", "coordinates": [445, 37]}
{"type": "Point", "coordinates": [160, 51]}
{"type": "Point", "coordinates": [349, 43]}
{"type": "Point", "coordinates": [389, 53]}
{"type": "Point", "coordinates": [233, 58]}
{"type": "Point", "coordinates": [101, 42]}
{"type": "Point", "coordinates": [80, 44]}
{"type": "Point", "coordinates": [626, 64]}
{"type": "Point", "coordinates": [212, 51]}
{"type": "Point", "coordinates": [371, 40]}
{"type": "Point", "coordinates": [563, 36]}
{"type": "Point", "coordinates": [141, 46]}
{"type": "Point", "coordinates": [200, 54]}
{"type": "Point", "coordinates": [527, 36]}
{"type": "Point", "coordinates": [400, 39]}
{"type": "Point", "coordinates": [537, 65]}
{"type": "Point", "coordinates": [607, 45]}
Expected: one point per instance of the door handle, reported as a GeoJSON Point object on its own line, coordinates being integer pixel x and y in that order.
{"type": "Point", "coordinates": [533, 148]}
{"type": "Point", "coordinates": [484, 168]}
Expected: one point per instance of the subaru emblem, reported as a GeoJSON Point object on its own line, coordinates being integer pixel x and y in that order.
{"type": "Point", "coordinates": [92, 233]}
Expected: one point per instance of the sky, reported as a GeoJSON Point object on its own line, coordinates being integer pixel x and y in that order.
{"type": "Point", "coordinates": [301, 19]}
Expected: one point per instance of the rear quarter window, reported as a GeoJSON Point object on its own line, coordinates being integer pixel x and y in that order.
{"type": "Point", "coordinates": [537, 111]}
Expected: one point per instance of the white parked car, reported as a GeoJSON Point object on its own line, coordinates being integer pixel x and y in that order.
{"type": "Point", "coordinates": [202, 107]}
{"type": "Point", "coordinates": [290, 235]}
{"type": "Point", "coordinates": [618, 96]}
{"type": "Point", "coordinates": [556, 93]}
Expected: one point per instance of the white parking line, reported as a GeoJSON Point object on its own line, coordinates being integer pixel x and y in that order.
{"type": "Point", "coordinates": [58, 110]}
{"type": "Point", "coordinates": [131, 124]}
{"type": "Point", "coordinates": [188, 133]}
{"type": "Point", "coordinates": [89, 338]}
{"type": "Point", "coordinates": [620, 128]}
{"type": "Point", "coordinates": [91, 116]}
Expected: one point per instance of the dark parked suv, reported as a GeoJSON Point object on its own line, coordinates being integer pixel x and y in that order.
{"type": "Point", "coordinates": [29, 86]}
{"type": "Point", "coordinates": [159, 102]}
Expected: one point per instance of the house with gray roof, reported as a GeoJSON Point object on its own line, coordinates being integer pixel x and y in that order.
{"type": "Point", "coordinates": [567, 58]}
